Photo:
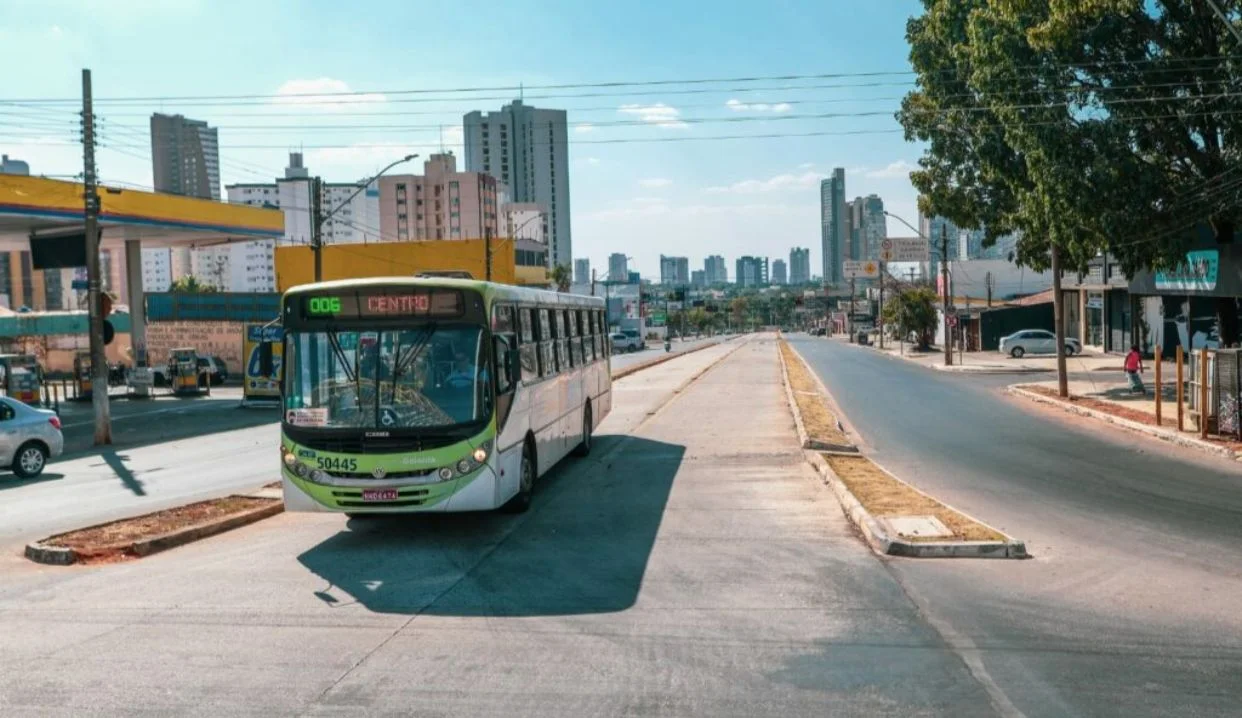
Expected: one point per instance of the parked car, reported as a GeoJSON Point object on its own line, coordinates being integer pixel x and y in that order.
{"type": "Point", "coordinates": [623, 342]}
{"type": "Point", "coordinates": [1036, 341]}
{"type": "Point", "coordinates": [635, 336]}
{"type": "Point", "coordinates": [29, 437]}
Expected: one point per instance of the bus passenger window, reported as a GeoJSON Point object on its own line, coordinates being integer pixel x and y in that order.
{"type": "Point", "coordinates": [547, 346]}
{"type": "Point", "coordinates": [562, 343]}
{"type": "Point", "coordinates": [502, 319]}
{"type": "Point", "coordinates": [529, 350]}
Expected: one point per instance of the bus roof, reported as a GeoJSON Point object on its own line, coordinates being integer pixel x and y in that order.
{"type": "Point", "coordinates": [492, 290]}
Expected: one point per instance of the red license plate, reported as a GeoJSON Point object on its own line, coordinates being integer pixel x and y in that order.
{"type": "Point", "coordinates": [379, 495]}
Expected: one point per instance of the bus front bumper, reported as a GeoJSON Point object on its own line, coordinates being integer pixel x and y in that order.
{"type": "Point", "coordinates": [477, 491]}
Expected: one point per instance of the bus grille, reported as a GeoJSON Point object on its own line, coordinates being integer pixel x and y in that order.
{"type": "Point", "coordinates": [353, 499]}
{"type": "Point", "coordinates": [391, 476]}
{"type": "Point", "coordinates": [374, 445]}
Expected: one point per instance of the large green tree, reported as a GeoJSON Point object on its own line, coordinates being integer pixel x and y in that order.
{"type": "Point", "coordinates": [912, 312]}
{"type": "Point", "coordinates": [1088, 125]}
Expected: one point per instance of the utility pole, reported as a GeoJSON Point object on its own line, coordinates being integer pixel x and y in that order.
{"type": "Point", "coordinates": [1058, 319]}
{"type": "Point", "coordinates": [849, 317]}
{"type": "Point", "coordinates": [990, 283]}
{"type": "Point", "coordinates": [912, 271]}
{"type": "Point", "coordinates": [487, 251]}
{"type": "Point", "coordinates": [99, 360]}
{"type": "Point", "coordinates": [881, 317]}
{"type": "Point", "coordinates": [316, 209]}
{"type": "Point", "coordinates": [944, 279]}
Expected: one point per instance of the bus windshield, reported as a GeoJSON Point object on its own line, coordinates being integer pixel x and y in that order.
{"type": "Point", "coordinates": [423, 377]}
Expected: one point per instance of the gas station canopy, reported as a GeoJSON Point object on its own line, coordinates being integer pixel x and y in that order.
{"type": "Point", "coordinates": [40, 205]}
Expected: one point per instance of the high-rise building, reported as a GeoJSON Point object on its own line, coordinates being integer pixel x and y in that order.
{"type": "Point", "coordinates": [526, 148]}
{"type": "Point", "coordinates": [251, 266]}
{"type": "Point", "coordinates": [834, 225]}
{"type": "Point", "coordinates": [1002, 249]}
{"type": "Point", "coordinates": [778, 272]}
{"type": "Point", "coordinates": [714, 270]}
{"type": "Point", "coordinates": [185, 156]}
{"type": "Point", "coordinates": [674, 271]}
{"type": "Point", "coordinates": [582, 271]}
{"type": "Point", "coordinates": [13, 166]}
{"type": "Point", "coordinates": [868, 227]}
{"type": "Point", "coordinates": [618, 270]}
{"type": "Point", "coordinates": [442, 203]}
{"type": "Point", "coordinates": [799, 265]}
{"type": "Point", "coordinates": [752, 271]}
{"type": "Point", "coordinates": [698, 278]}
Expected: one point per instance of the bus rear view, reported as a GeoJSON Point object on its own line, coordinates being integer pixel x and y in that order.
{"type": "Point", "coordinates": [387, 398]}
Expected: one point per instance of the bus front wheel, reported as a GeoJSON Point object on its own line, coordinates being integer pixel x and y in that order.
{"type": "Point", "coordinates": [526, 484]}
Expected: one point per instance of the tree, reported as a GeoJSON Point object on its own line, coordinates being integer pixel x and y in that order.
{"type": "Point", "coordinates": [700, 319]}
{"type": "Point", "coordinates": [190, 284]}
{"type": "Point", "coordinates": [738, 307]}
{"type": "Point", "coordinates": [561, 277]}
{"type": "Point", "coordinates": [913, 312]}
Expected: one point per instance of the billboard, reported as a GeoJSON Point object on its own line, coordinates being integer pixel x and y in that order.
{"type": "Point", "coordinates": [261, 341]}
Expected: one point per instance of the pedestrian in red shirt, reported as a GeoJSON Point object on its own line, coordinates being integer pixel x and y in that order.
{"type": "Point", "coordinates": [1134, 370]}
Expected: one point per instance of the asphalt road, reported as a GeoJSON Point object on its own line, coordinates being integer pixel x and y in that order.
{"type": "Point", "coordinates": [690, 566]}
{"type": "Point", "coordinates": [1130, 604]}
{"type": "Point", "coordinates": [655, 350]}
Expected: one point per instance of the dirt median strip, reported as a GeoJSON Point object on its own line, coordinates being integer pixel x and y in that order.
{"type": "Point", "coordinates": [884, 495]}
{"type": "Point", "coordinates": [820, 425]}
{"type": "Point", "coordinates": [150, 533]}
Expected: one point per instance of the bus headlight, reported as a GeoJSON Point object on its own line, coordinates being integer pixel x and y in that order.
{"type": "Point", "coordinates": [445, 473]}
{"type": "Point", "coordinates": [319, 476]}
{"type": "Point", "coordinates": [480, 455]}
{"type": "Point", "coordinates": [301, 469]}
{"type": "Point", "coordinates": [290, 460]}
{"type": "Point", "coordinates": [464, 466]}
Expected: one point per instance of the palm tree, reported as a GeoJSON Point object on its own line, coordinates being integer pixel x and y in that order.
{"type": "Point", "coordinates": [561, 277]}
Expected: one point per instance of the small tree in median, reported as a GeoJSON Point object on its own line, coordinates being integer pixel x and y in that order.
{"type": "Point", "coordinates": [913, 312]}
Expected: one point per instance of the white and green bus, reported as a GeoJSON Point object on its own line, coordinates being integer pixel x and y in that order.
{"type": "Point", "coordinates": [431, 394]}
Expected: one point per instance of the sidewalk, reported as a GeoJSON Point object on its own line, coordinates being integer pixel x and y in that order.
{"type": "Point", "coordinates": [991, 362]}
{"type": "Point", "coordinates": [1113, 401]}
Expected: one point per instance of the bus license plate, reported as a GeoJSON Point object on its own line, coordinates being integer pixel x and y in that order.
{"type": "Point", "coordinates": [379, 495]}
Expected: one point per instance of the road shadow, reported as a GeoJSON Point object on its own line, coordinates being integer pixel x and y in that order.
{"type": "Point", "coordinates": [116, 462]}
{"type": "Point", "coordinates": [582, 548]}
{"type": "Point", "coordinates": [9, 480]}
{"type": "Point", "coordinates": [202, 418]}
{"type": "Point", "coordinates": [1123, 393]}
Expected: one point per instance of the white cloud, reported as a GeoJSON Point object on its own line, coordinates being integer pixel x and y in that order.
{"type": "Point", "coordinates": [584, 127]}
{"type": "Point", "coordinates": [806, 165]}
{"type": "Point", "coordinates": [318, 94]}
{"type": "Point", "coordinates": [592, 160]}
{"type": "Point", "coordinates": [739, 106]}
{"type": "Point", "coordinates": [659, 114]}
{"type": "Point", "coordinates": [655, 182]}
{"type": "Point", "coordinates": [898, 169]}
{"type": "Point", "coordinates": [779, 182]}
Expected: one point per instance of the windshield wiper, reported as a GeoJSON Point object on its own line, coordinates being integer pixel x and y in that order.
{"type": "Point", "coordinates": [401, 364]}
{"type": "Point", "coordinates": [340, 358]}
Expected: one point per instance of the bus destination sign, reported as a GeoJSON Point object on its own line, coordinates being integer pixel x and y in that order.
{"type": "Point", "coordinates": [435, 303]}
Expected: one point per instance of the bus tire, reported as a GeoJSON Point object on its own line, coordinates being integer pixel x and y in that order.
{"type": "Point", "coordinates": [584, 448]}
{"type": "Point", "coordinates": [526, 484]}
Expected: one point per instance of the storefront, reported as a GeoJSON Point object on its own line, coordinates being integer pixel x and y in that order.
{"type": "Point", "coordinates": [1181, 306]}
{"type": "Point", "coordinates": [1097, 307]}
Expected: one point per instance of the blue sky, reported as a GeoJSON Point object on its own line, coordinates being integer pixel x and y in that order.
{"type": "Point", "coordinates": [685, 197]}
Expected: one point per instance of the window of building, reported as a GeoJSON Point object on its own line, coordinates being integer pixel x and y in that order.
{"type": "Point", "coordinates": [453, 185]}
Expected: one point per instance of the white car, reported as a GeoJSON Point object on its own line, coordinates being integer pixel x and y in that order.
{"type": "Point", "coordinates": [1036, 341]}
{"type": "Point", "coordinates": [624, 342]}
{"type": "Point", "coordinates": [29, 437]}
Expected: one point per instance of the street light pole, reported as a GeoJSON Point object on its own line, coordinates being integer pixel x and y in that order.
{"type": "Point", "coordinates": [318, 219]}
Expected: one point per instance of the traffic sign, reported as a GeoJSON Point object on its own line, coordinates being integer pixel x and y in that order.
{"type": "Point", "coordinates": [860, 269]}
{"type": "Point", "coordinates": [903, 249]}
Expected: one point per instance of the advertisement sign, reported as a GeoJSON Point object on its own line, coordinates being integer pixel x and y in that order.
{"type": "Point", "coordinates": [860, 269]}
{"type": "Point", "coordinates": [259, 341]}
{"type": "Point", "coordinates": [903, 249]}
{"type": "Point", "coordinates": [1197, 274]}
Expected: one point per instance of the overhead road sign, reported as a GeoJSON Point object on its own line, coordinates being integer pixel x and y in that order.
{"type": "Point", "coordinates": [904, 249]}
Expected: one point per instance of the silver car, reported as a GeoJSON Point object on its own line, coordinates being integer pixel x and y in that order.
{"type": "Point", "coordinates": [29, 437]}
{"type": "Point", "coordinates": [1036, 341]}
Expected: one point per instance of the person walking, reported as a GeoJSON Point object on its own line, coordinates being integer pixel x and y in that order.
{"type": "Point", "coordinates": [1134, 370]}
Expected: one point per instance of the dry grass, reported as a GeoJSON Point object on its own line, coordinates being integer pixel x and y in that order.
{"type": "Point", "coordinates": [882, 495]}
{"type": "Point", "coordinates": [126, 531]}
{"type": "Point", "coordinates": [820, 424]}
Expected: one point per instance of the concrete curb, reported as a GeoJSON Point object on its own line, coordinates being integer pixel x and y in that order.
{"type": "Point", "coordinates": [622, 373]}
{"type": "Point", "coordinates": [1148, 429]}
{"type": "Point", "coordinates": [59, 556]}
{"type": "Point", "coordinates": [804, 439]}
{"type": "Point", "coordinates": [877, 536]}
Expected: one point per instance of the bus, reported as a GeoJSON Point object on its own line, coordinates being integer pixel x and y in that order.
{"type": "Point", "coordinates": [435, 394]}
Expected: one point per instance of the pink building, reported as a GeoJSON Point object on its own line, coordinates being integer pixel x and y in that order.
{"type": "Point", "coordinates": [441, 204]}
